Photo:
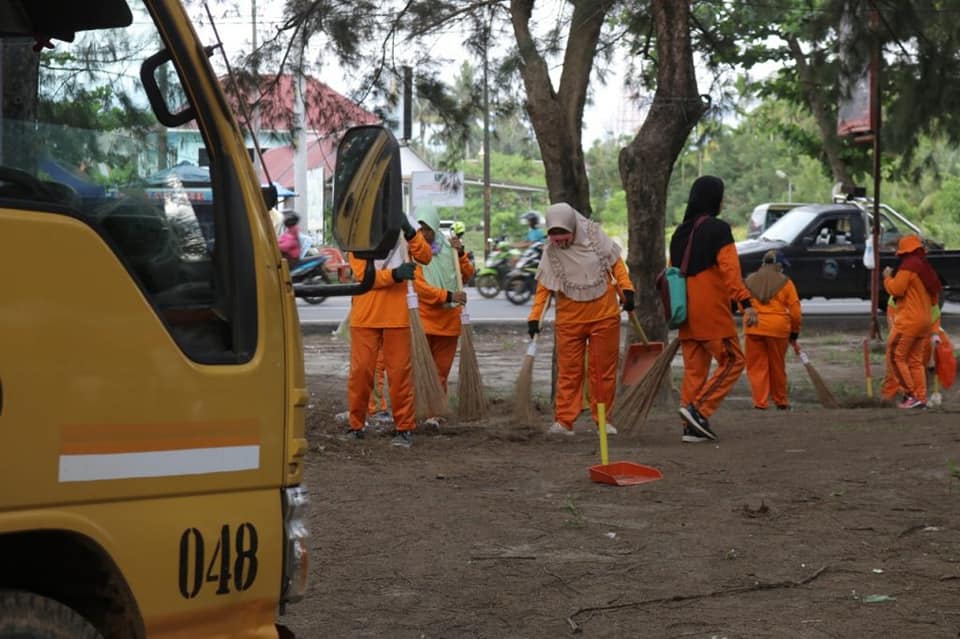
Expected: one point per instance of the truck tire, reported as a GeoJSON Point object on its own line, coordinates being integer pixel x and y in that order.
{"type": "Point", "coordinates": [24, 615]}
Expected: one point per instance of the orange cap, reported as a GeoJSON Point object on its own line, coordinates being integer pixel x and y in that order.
{"type": "Point", "coordinates": [909, 244]}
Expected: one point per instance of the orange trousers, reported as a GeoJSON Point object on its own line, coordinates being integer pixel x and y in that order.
{"type": "Point", "coordinates": [906, 367]}
{"type": "Point", "coordinates": [767, 369]}
{"type": "Point", "coordinates": [394, 344]}
{"type": "Point", "coordinates": [444, 349]}
{"type": "Point", "coordinates": [378, 399]}
{"type": "Point", "coordinates": [603, 339]}
{"type": "Point", "coordinates": [697, 389]}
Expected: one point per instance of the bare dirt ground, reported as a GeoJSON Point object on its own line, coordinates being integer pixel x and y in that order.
{"type": "Point", "coordinates": [809, 523]}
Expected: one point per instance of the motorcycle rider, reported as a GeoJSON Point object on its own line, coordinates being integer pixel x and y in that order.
{"type": "Point", "coordinates": [534, 233]}
{"type": "Point", "coordinates": [289, 240]}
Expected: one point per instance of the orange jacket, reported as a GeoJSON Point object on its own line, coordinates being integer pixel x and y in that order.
{"type": "Point", "coordinates": [438, 318]}
{"type": "Point", "coordinates": [709, 294]}
{"type": "Point", "coordinates": [385, 305]}
{"type": "Point", "coordinates": [572, 312]}
{"type": "Point", "coordinates": [913, 317]}
{"type": "Point", "coordinates": [780, 316]}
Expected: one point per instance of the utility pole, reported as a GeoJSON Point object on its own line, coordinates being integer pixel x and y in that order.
{"type": "Point", "coordinates": [486, 142]}
{"type": "Point", "coordinates": [300, 156]}
{"type": "Point", "coordinates": [255, 56]}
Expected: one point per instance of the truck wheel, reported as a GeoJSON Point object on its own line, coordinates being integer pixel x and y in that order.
{"type": "Point", "coordinates": [24, 615]}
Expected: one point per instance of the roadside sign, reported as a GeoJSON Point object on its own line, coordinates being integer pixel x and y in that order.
{"type": "Point", "coordinates": [439, 187]}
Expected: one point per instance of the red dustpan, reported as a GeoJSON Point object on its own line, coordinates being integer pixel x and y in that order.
{"type": "Point", "coordinates": [620, 473]}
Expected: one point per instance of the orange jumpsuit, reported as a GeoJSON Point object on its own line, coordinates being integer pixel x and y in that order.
{"type": "Point", "coordinates": [379, 322]}
{"type": "Point", "coordinates": [595, 323]}
{"type": "Point", "coordinates": [711, 334]}
{"type": "Point", "coordinates": [912, 325]}
{"type": "Point", "coordinates": [441, 322]}
{"type": "Point", "coordinates": [766, 345]}
{"type": "Point", "coordinates": [378, 401]}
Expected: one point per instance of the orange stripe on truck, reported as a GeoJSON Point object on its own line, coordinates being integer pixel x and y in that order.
{"type": "Point", "coordinates": [92, 439]}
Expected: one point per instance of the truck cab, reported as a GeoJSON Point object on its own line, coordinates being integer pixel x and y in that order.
{"type": "Point", "coordinates": [152, 389]}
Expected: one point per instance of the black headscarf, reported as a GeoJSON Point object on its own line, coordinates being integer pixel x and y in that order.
{"type": "Point", "coordinates": [712, 234]}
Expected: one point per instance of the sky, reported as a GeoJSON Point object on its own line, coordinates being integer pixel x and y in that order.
{"type": "Point", "coordinates": [608, 114]}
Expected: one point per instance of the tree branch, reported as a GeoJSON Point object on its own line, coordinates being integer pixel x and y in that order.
{"type": "Point", "coordinates": [726, 592]}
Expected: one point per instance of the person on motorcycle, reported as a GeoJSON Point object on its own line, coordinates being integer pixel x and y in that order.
{"type": "Point", "coordinates": [579, 263]}
{"type": "Point", "coordinates": [379, 321]}
{"type": "Point", "coordinates": [534, 233]}
{"type": "Point", "coordinates": [441, 298]}
{"type": "Point", "coordinates": [289, 240]}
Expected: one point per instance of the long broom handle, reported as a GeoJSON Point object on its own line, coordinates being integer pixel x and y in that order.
{"type": "Point", "coordinates": [632, 316]}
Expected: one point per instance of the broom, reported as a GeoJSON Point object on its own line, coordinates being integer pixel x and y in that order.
{"type": "Point", "coordinates": [343, 328]}
{"type": "Point", "coordinates": [429, 397]}
{"type": "Point", "coordinates": [632, 405]}
{"type": "Point", "coordinates": [827, 400]}
{"type": "Point", "coordinates": [473, 404]}
{"type": "Point", "coordinates": [523, 401]}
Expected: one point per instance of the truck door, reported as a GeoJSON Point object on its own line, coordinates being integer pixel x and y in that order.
{"type": "Point", "coordinates": [832, 259]}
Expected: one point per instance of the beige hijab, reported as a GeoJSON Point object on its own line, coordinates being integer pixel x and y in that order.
{"type": "Point", "coordinates": [582, 270]}
{"type": "Point", "coordinates": [768, 280]}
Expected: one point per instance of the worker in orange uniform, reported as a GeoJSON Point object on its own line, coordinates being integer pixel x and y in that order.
{"type": "Point", "coordinates": [916, 288]}
{"type": "Point", "coordinates": [441, 298]}
{"type": "Point", "coordinates": [379, 321]}
{"type": "Point", "coordinates": [775, 299]}
{"type": "Point", "coordinates": [703, 248]}
{"type": "Point", "coordinates": [577, 263]}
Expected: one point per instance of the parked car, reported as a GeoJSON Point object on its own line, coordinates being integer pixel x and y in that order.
{"type": "Point", "coordinates": [764, 215]}
{"type": "Point", "coordinates": [825, 245]}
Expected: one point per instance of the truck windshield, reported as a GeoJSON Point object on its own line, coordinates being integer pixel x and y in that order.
{"type": "Point", "coordinates": [78, 139]}
{"type": "Point", "coordinates": [788, 227]}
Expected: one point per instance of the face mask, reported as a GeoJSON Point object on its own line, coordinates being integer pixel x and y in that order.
{"type": "Point", "coordinates": [561, 240]}
{"type": "Point", "coordinates": [435, 248]}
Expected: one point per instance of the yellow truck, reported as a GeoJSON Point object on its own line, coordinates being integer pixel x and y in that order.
{"type": "Point", "coordinates": [152, 389]}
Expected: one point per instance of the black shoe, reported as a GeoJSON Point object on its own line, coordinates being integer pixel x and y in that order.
{"type": "Point", "coordinates": [403, 439]}
{"type": "Point", "coordinates": [691, 436]}
{"type": "Point", "coordinates": [355, 434]}
{"type": "Point", "coordinates": [697, 421]}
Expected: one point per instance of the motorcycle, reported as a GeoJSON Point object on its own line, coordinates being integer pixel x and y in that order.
{"type": "Point", "coordinates": [311, 270]}
{"type": "Point", "coordinates": [492, 277]}
{"type": "Point", "coordinates": [521, 282]}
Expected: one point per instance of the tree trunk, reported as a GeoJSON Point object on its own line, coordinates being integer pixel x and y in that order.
{"type": "Point", "coordinates": [557, 115]}
{"type": "Point", "coordinates": [827, 125]}
{"type": "Point", "coordinates": [19, 77]}
{"type": "Point", "coordinates": [646, 163]}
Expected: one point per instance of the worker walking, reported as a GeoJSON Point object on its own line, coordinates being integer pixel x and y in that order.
{"type": "Point", "coordinates": [379, 321]}
{"type": "Point", "coordinates": [441, 298]}
{"type": "Point", "coordinates": [775, 299]}
{"type": "Point", "coordinates": [577, 264]}
{"type": "Point", "coordinates": [703, 248]}
{"type": "Point", "coordinates": [916, 288]}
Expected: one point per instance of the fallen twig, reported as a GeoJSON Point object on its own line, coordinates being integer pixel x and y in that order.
{"type": "Point", "coordinates": [760, 585]}
{"type": "Point", "coordinates": [495, 557]}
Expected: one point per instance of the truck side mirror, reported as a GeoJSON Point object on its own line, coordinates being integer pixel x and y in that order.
{"type": "Point", "coordinates": [367, 192]}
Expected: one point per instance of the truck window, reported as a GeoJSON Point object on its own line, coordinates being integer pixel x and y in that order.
{"type": "Point", "coordinates": [78, 139]}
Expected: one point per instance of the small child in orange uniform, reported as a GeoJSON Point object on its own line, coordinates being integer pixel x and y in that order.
{"type": "Point", "coordinates": [775, 298]}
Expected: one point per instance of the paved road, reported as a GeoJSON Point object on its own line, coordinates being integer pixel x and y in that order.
{"type": "Point", "coordinates": [499, 309]}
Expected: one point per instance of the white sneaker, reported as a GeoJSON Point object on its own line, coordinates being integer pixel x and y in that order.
{"type": "Point", "coordinates": [342, 419]}
{"type": "Point", "coordinates": [432, 423]}
{"type": "Point", "coordinates": [559, 429]}
{"type": "Point", "coordinates": [611, 429]}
